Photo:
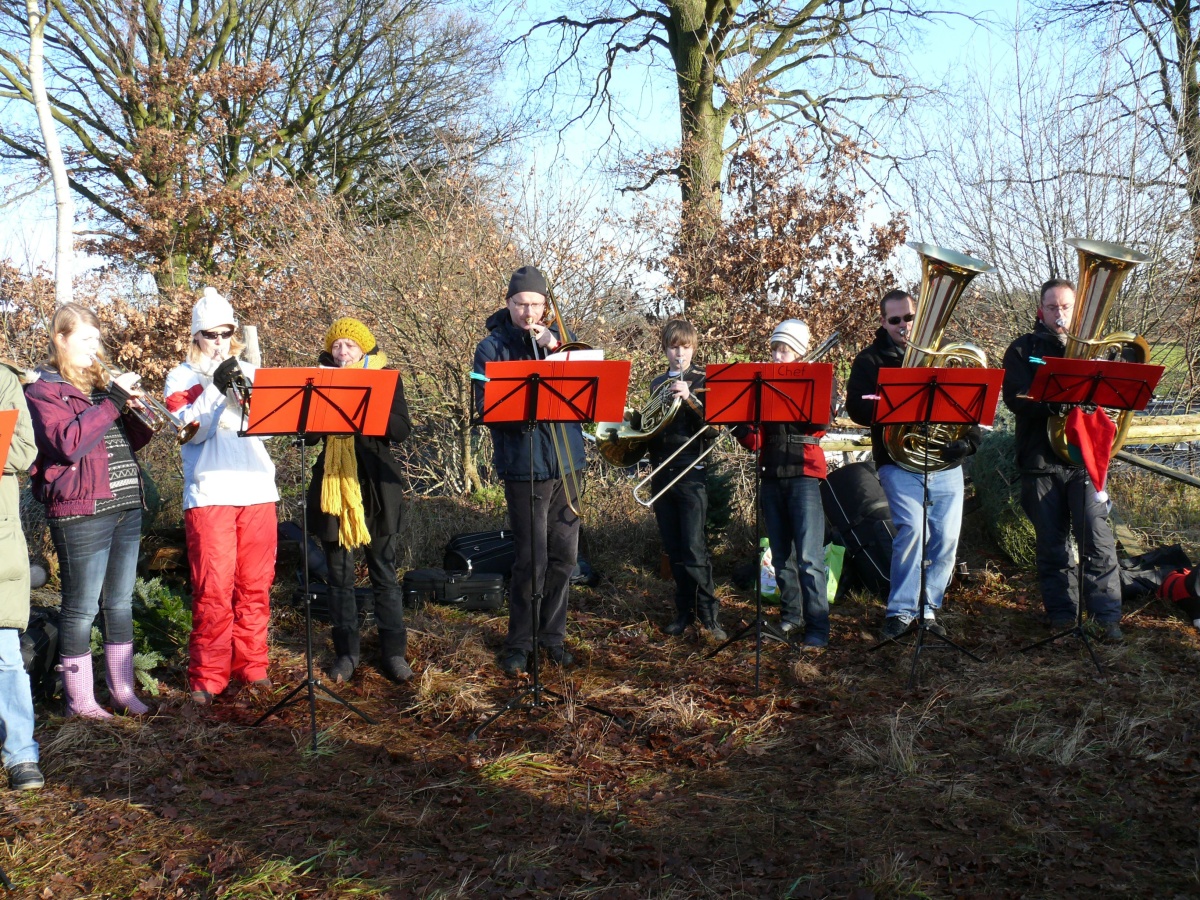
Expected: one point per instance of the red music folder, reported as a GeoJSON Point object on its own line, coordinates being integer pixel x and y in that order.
{"type": "Point", "coordinates": [567, 390]}
{"type": "Point", "coordinates": [8, 426]}
{"type": "Point", "coordinates": [790, 392]}
{"type": "Point", "coordinates": [336, 401]}
{"type": "Point", "coordinates": [1109, 383]}
{"type": "Point", "coordinates": [938, 396]}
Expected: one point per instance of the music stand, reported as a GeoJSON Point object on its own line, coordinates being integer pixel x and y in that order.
{"type": "Point", "coordinates": [309, 403]}
{"type": "Point", "coordinates": [751, 394]}
{"type": "Point", "coordinates": [1102, 383]}
{"type": "Point", "coordinates": [933, 396]}
{"type": "Point", "coordinates": [527, 393]}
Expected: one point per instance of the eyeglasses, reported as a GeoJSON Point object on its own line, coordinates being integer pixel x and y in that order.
{"type": "Point", "coordinates": [217, 335]}
{"type": "Point", "coordinates": [896, 320]}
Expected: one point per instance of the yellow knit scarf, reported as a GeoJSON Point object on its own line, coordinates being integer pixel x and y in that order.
{"type": "Point", "coordinates": [341, 494]}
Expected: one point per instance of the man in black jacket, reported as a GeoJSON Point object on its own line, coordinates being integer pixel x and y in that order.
{"type": "Point", "coordinates": [904, 489]}
{"type": "Point", "coordinates": [546, 543]}
{"type": "Point", "coordinates": [1056, 494]}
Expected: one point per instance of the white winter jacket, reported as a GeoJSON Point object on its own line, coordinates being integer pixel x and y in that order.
{"type": "Point", "coordinates": [219, 467]}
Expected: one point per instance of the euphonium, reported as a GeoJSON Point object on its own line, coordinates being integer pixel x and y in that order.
{"type": "Point", "coordinates": [1102, 269]}
{"type": "Point", "coordinates": [624, 443]}
{"type": "Point", "coordinates": [944, 276]}
{"type": "Point", "coordinates": [153, 414]}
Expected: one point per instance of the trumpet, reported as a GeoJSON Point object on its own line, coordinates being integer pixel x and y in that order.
{"type": "Point", "coordinates": [150, 412]}
{"type": "Point", "coordinates": [822, 349]}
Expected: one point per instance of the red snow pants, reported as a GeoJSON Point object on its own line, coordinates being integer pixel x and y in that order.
{"type": "Point", "coordinates": [231, 553]}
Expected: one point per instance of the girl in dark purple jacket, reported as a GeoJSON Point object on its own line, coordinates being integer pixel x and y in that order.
{"type": "Point", "coordinates": [87, 477]}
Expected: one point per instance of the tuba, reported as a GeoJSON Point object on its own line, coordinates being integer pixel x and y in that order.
{"type": "Point", "coordinates": [944, 276]}
{"type": "Point", "coordinates": [1102, 269]}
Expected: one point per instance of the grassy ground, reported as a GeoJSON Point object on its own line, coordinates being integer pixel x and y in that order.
{"type": "Point", "coordinates": [1024, 776]}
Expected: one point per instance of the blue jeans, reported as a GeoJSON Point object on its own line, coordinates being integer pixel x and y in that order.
{"type": "Point", "coordinates": [97, 558]}
{"type": "Point", "coordinates": [795, 523]}
{"type": "Point", "coordinates": [16, 703]}
{"type": "Point", "coordinates": [904, 493]}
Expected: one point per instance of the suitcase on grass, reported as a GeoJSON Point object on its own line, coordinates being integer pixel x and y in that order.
{"type": "Point", "coordinates": [486, 552]}
{"type": "Point", "coordinates": [857, 508]}
{"type": "Point", "coordinates": [464, 590]}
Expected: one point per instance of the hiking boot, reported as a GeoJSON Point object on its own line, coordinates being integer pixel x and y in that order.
{"type": "Point", "coordinates": [513, 662]}
{"type": "Point", "coordinates": [560, 656]}
{"type": "Point", "coordinates": [1109, 632]}
{"type": "Point", "coordinates": [934, 626]}
{"type": "Point", "coordinates": [893, 627]}
{"type": "Point", "coordinates": [25, 776]}
{"type": "Point", "coordinates": [341, 670]}
{"type": "Point", "coordinates": [679, 625]}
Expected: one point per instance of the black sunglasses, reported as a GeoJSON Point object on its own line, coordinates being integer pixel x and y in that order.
{"type": "Point", "coordinates": [896, 320]}
{"type": "Point", "coordinates": [217, 335]}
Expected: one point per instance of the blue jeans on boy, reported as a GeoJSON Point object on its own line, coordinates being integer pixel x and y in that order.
{"type": "Point", "coordinates": [97, 558]}
{"type": "Point", "coordinates": [905, 492]}
{"type": "Point", "coordinates": [16, 703]}
{"type": "Point", "coordinates": [795, 523]}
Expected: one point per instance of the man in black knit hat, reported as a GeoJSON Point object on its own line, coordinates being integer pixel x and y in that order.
{"type": "Point", "coordinates": [546, 542]}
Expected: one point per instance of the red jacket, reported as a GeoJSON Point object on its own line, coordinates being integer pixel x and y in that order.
{"type": "Point", "coordinates": [71, 470]}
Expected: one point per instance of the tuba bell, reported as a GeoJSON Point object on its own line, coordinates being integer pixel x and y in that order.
{"type": "Point", "coordinates": [1102, 269]}
{"type": "Point", "coordinates": [944, 276]}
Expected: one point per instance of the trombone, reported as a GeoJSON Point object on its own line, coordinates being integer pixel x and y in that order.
{"type": "Point", "coordinates": [572, 479]}
{"type": "Point", "coordinates": [150, 412]}
{"type": "Point", "coordinates": [825, 346]}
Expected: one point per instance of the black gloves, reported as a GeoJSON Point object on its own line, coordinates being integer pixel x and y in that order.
{"type": "Point", "coordinates": [119, 396]}
{"type": "Point", "coordinates": [226, 371]}
{"type": "Point", "coordinates": [956, 450]}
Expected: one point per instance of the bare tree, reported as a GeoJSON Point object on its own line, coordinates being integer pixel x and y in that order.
{"type": "Point", "coordinates": [828, 65]}
{"type": "Point", "coordinates": [64, 251]}
{"type": "Point", "coordinates": [178, 110]}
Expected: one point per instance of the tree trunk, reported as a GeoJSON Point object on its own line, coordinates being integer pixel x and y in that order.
{"type": "Point", "coordinates": [702, 132]}
{"type": "Point", "coordinates": [64, 205]}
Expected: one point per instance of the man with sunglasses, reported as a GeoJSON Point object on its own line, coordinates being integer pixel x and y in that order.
{"type": "Point", "coordinates": [906, 490]}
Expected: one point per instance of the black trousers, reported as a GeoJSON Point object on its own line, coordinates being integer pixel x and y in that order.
{"type": "Point", "coordinates": [381, 567]}
{"type": "Point", "coordinates": [681, 513]}
{"type": "Point", "coordinates": [1057, 501]}
{"type": "Point", "coordinates": [546, 547]}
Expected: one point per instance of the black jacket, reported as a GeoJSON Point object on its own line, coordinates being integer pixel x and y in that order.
{"type": "Point", "coordinates": [1034, 452]}
{"type": "Point", "coordinates": [510, 442]}
{"type": "Point", "coordinates": [686, 422]}
{"type": "Point", "coordinates": [378, 476]}
{"type": "Point", "coordinates": [882, 353]}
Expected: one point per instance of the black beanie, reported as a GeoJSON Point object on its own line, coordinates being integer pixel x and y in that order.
{"type": "Point", "coordinates": [527, 278]}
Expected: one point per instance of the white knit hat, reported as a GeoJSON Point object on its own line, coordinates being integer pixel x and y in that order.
{"type": "Point", "coordinates": [792, 332]}
{"type": "Point", "coordinates": [210, 311]}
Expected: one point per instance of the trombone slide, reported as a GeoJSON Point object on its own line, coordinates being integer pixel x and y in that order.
{"type": "Point", "coordinates": [646, 479]}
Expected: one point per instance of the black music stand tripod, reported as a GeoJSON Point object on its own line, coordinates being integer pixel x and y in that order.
{"type": "Point", "coordinates": [801, 413]}
{"type": "Point", "coordinates": [535, 696]}
{"type": "Point", "coordinates": [924, 396]}
{"type": "Point", "coordinates": [351, 422]}
{"type": "Point", "coordinates": [1113, 385]}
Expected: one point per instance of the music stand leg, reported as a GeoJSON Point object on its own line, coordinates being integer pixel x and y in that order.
{"type": "Point", "coordinates": [310, 684]}
{"type": "Point", "coordinates": [1077, 629]}
{"type": "Point", "coordinates": [8, 885]}
{"type": "Point", "coordinates": [760, 627]}
{"type": "Point", "coordinates": [535, 692]}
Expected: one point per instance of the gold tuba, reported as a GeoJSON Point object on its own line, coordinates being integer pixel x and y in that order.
{"type": "Point", "coordinates": [1102, 269]}
{"type": "Point", "coordinates": [944, 276]}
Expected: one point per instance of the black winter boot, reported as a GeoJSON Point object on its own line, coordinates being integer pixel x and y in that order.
{"type": "Point", "coordinates": [393, 650]}
{"type": "Point", "coordinates": [345, 655]}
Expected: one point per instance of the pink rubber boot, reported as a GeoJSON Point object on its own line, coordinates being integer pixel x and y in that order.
{"type": "Point", "coordinates": [81, 691]}
{"type": "Point", "coordinates": [118, 665]}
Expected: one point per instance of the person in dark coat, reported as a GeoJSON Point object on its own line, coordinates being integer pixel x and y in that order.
{"type": "Point", "coordinates": [546, 537]}
{"type": "Point", "coordinates": [682, 510]}
{"type": "Point", "coordinates": [355, 501]}
{"type": "Point", "coordinates": [905, 490]}
{"type": "Point", "coordinates": [1056, 495]}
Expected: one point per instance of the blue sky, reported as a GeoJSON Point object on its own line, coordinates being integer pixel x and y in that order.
{"type": "Point", "coordinates": [581, 157]}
